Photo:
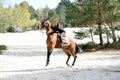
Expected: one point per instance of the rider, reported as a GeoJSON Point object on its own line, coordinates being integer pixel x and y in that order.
{"type": "Point", "coordinates": [59, 30]}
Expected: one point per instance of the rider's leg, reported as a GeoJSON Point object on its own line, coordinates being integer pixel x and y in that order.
{"type": "Point", "coordinates": [59, 39]}
{"type": "Point", "coordinates": [64, 38]}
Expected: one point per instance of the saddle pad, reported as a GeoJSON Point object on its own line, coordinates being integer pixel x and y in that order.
{"type": "Point", "coordinates": [65, 39]}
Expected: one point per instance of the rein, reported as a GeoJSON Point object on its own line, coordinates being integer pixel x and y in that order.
{"type": "Point", "coordinates": [50, 32]}
{"type": "Point", "coordinates": [41, 31]}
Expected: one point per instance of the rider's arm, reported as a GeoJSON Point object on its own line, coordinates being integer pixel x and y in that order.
{"type": "Point", "coordinates": [61, 30]}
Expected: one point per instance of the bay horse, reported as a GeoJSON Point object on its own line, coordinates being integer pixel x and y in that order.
{"type": "Point", "coordinates": [70, 48]}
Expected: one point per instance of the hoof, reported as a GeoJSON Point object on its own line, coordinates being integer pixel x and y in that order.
{"type": "Point", "coordinates": [68, 65]}
{"type": "Point", "coordinates": [72, 64]}
{"type": "Point", "coordinates": [47, 64]}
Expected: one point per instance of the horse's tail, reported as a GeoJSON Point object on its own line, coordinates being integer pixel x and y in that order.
{"type": "Point", "coordinates": [78, 49]}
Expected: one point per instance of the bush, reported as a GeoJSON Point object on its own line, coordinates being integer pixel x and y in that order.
{"type": "Point", "coordinates": [115, 45]}
{"type": "Point", "coordinates": [11, 29]}
{"type": "Point", "coordinates": [2, 47]}
{"type": "Point", "coordinates": [90, 46]}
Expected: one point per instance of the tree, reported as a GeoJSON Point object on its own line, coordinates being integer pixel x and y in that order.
{"type": "Point", "coordinates": [33, 12]}
{"type": "Point", "coordinates": [42, 13]}
{"type": "Point", "coordinates": [2, 19]}
{"type": "Point", "coordinates": [100, 12]}
{"type": "Point", "coordinates": [5, 15]}
{"type": "Point", "coordinates": [53, 16]}
{"type": "Point", "coordinates": [87, 16]}
{"type": "Point", "coordinates": [61, 11]}
{"type": "Point", "coordinates": [112, 16]}
{"type": "Point", "coordinates": [21, 16]}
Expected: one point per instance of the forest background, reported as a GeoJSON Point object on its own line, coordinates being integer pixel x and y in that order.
{"type": "Point", "coordinates": [99, 16]}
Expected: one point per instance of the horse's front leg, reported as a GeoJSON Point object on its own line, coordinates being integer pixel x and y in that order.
{"type": "Point", "coordinates": [48, 56]}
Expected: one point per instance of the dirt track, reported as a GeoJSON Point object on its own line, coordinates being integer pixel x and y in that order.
{"type": "Point", "coordinates": [28, 63]}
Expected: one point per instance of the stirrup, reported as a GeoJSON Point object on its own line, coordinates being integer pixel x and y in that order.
{"type": "Point", "coordinates": [61, 44]}
{"type": "Point", "coordinates": [64, 42]}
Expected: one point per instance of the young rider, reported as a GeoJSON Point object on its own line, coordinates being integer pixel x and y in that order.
{"type": "Point", "coordinates": [59, 30]}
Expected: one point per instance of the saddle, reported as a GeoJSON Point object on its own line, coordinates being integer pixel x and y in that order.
{"type": "Point", "coordinates": [62, 39]}
{"type": "Point", "coordinates": [59, 39]}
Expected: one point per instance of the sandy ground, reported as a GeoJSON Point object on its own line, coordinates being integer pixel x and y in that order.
{"type": "Point", "coordinates": [26, 57]}
{"type": "Point", "coordinates": [28, 63]}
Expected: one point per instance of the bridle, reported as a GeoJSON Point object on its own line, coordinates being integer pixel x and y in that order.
{"type": "Point", "coordinates": [39, 27]}
{"type": "Point", "coordinates": [44, 24]}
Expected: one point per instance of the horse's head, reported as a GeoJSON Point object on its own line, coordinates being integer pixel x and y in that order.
{"type": "Point", "coordinates": [44, 24]}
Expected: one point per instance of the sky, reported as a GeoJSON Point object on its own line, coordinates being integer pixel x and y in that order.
{"type": "Point", "coordinates": [35, 3]}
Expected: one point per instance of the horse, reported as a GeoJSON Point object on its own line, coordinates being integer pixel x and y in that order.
{"type": "Point", "coordinates": [69, 48]}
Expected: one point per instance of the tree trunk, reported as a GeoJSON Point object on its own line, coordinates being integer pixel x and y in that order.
{"type": "Point", "coordinates": [113, 36]}
{"type": "Point", "coordinates": [108, 42]}
{"type": "Point", "coordinates": [91, 34]}
{"type": "Point", "coordinates": [99, 21]}
{"type": "Point", "coordinates": [100, 34]}
{"type": "Point", "coordinates": [113, 32]}
{"type": "Point", "coordinates": [107, 34]}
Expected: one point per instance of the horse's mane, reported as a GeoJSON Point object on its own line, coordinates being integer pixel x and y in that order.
{"type": "Point", "coordinates": [52, 26]}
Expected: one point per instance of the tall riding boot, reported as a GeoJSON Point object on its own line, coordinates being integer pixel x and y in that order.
{"type": "Point", "coordinates": [59, 39]}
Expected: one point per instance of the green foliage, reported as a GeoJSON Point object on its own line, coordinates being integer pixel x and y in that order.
{"type": "Point", "coordinates": [18, 16]}
{"type": "Point", "coordinates": [60, 10]}
{"type": "Point", "coordinates": [33, 12]}
{"type": "Point", "coordinates": [63, 10]}
{"type": "Point", "coordinates": [21, 15]}
{"type": "Point", "coordinates": [11, 29]}
{"type": "Point", "coordinates": [115, 45]}
{"type": "Point", "coordinates": [4, 18]}
{"type": "Point", "coordinates": [3, 47]}
{"type": "Point", "coordinates": [81, 34]}
{"type": "Point", "coordinates": [53, 16]}
{"type": "Point", "coordinates": [42, 13]}
{"type": "Point", "coordinates": [94, 12]}
{"type": "Point", "coordinates": [89, 46]}
{"type": "Point", "coordinates": [117, 27]}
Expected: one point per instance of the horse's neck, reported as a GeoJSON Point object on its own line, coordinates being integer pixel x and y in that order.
{"type": "Point", "coordinates": [49, 28]}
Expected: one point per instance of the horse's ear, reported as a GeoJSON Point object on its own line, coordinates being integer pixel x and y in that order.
{"type": "Point", "coordinates": [46, 19]}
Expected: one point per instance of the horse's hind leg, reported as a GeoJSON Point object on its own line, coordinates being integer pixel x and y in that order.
{"type": "Point", "coordinates": [68, 59]}
{"type": "Point", "coordinates": [48, 57]}
{"type": "Point", "coordinates": [68, 55]}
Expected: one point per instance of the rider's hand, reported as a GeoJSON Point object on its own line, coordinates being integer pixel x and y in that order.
{"type": "Point", "coordinates": [57, 32]}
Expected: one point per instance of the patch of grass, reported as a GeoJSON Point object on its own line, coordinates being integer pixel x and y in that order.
{"type": "Point", "coordinates": [112, 45]}
{"type": "Point", "coordinates": [2, 47]}
{"type": "Point", "coordinates": [91, 46]}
